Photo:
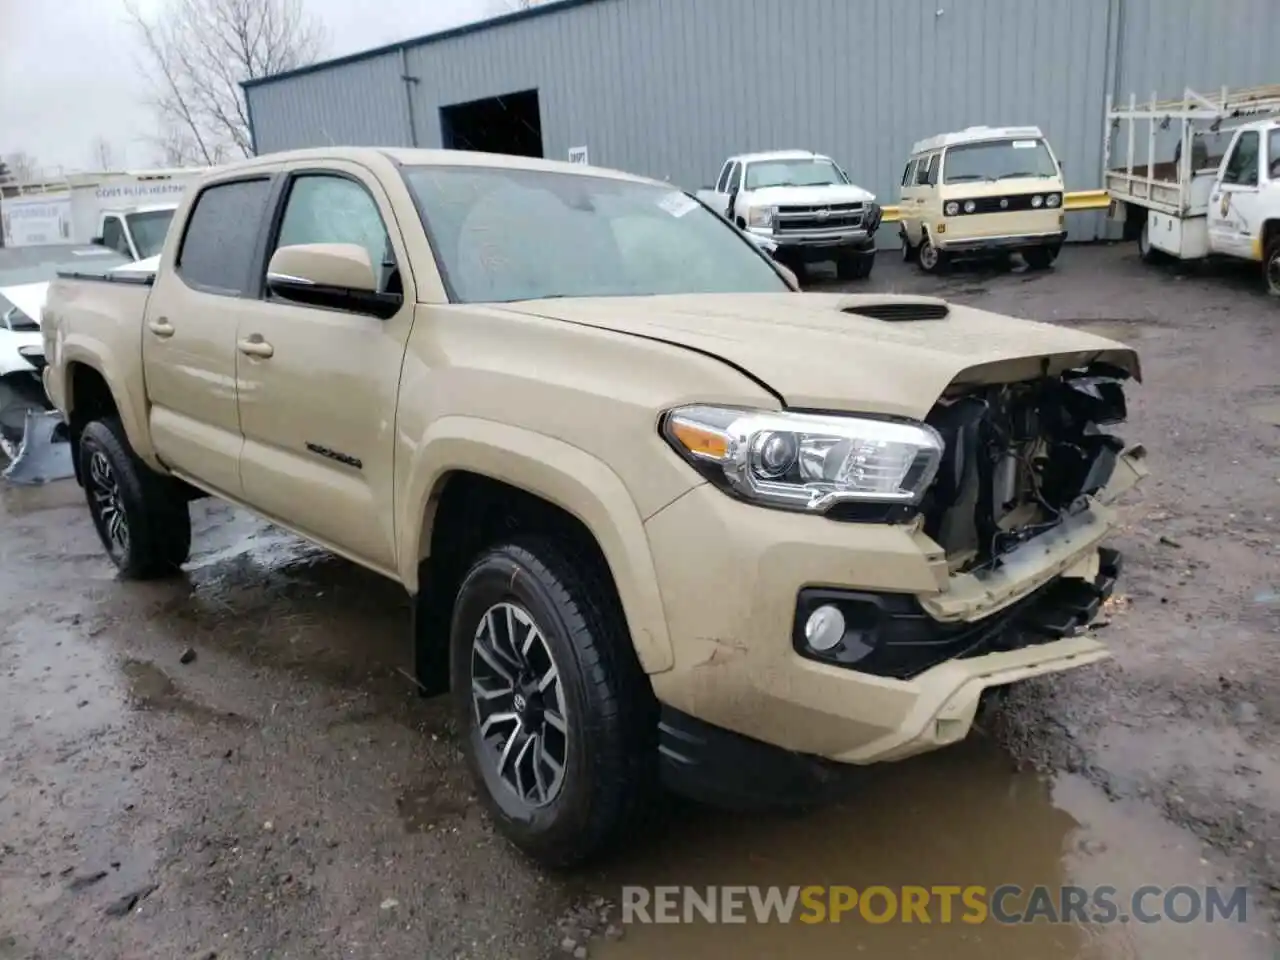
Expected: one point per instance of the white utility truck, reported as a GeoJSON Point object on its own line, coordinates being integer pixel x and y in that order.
{"type": "Point", "coordinates": [802, 202]}
{"type": "Point", "coordinates": [1220, 194]}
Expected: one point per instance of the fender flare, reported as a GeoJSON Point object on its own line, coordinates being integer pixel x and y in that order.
{"type": "Point", "coordinates": [561, 474]}
{"type": "Point", "coordinates": [130, 405]}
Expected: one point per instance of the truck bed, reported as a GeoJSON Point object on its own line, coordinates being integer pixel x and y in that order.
{"type": "Point", "coordinates": [1158, 189]}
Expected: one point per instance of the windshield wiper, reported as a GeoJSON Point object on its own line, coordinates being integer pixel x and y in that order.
{"type": "Point", "coordinates": [965, 177]}
{"type": "Point", "coordinates": [1022, 173]}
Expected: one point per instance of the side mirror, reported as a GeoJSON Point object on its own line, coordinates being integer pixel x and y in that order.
{"type": "Point", "coordinates": [97, 242]}
{"type": "Point", "coordinates": [331, 276]}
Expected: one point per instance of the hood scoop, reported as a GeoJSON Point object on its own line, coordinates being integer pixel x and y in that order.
{"type": "Point", "coordinates": [897, 309]}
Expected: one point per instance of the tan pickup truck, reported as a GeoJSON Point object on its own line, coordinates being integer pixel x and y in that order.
{"type": "Point", "coordinates": [665, 519]}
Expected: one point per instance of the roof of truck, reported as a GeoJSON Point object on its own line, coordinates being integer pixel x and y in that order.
{"type": "Point", "coordinates": [976, 135]}
{"type": "Point", "coordinates": [768, 155]}
{"type": "Point", "coordinates": [409, 157]}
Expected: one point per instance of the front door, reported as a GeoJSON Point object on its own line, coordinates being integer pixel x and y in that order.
{"type": "Point", "coordinates": [318, 387]}
{"type": "Point", "coordinates": [189, 335]}
{"type": "Point", "coordinates": [1234, 205]}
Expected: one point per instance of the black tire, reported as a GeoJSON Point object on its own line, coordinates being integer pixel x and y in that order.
{"type": "Point", "coordinates": [154, 513]}
{"type": "Point", "coordinates": [1146, 251]}
{"type": "Point", "coordinates": [1040, 258]}
{"type": "Point", "coordinates": [14, 405]}
{"type": "Point", "coordinates": [929, 258]}
{"type": "Point", "coordinates": [601, 697]}
{"type": "Point", "coordinates": [854, 266]}
{"type": "Point", "coordinates": [908, 251]}
{"type": "Point", "coordinates": [1271, 267]}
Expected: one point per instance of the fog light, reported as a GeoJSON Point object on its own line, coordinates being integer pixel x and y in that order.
{"type": "Point", "coordinates": [824, 629]}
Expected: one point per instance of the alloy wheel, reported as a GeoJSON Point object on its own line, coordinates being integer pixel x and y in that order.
{"type": "Point", "coordinates": [106, 504]}
{"type": "Point", "coordinates": [928, 256]}
{"type": "Point", "coordinates": [518, 698]}
{"type": "Point", "coordinates": [1273, 273]}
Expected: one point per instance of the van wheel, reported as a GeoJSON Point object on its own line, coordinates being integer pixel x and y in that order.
{"type": "Point", "coordinates": [1039, 258]}
{"type": "Point", "coordinates": [1272, 267]}
{"type": "Point", "coordinates": [552, 702]}
{"type": "Point", "coordinates": [930, 258]}
{"type": "Point", "coordinates": [908, 251]}
{"type": "Point", "coordinates": [141, 517]}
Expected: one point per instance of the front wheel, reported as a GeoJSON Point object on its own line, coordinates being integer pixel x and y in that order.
{"type": "Point", "coordinates": [142, 519]}
{"type": "Point", "coordinates": [855, 266]}
{"type": "Point", "coordinates": [1271, 267]}
{"type": "Point", "coordinates": [930, 258]}
{"type": "Point", "coordinates": [553, 705]}
{"type": "Point", "coordinates": [1040, 258]}
{"type": "Point", "coordinates": [908, 251]}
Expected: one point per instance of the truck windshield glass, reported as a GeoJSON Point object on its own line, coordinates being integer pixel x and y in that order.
{"type": "Point", "coordinates": [794, 173]}
{"type": "Point", "coordinates": [998, 160]}
{"type": "Point", "coordinates": [149, 229]}
{"type": "Point", "coordinates": [502, 235]}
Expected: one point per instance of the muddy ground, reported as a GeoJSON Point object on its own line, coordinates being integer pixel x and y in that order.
{"type": "Point", "coordinates": [236, 765]}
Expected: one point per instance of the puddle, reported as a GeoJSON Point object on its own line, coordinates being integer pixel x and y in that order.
{"type": "Point", "coordinates": [1268, 413]}
{"type": "Point", "coordinates": [150, 688]}
{"type": "Point", "coordinates": [958, 817]}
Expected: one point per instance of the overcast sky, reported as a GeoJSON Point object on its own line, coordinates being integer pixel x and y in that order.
{"type": "Point", "coordinates": [68, 69]}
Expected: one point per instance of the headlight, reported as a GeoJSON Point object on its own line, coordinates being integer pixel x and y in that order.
{"type": "Point", "coordinates": [1037, 200]}
{"type": "Point", "coordinates": [760, 217]}
{"type": "Point", "coordinates": [1054, 199]}
{"type": "Point", "coordinates": [804, 461]}
{"type": "Point", "coordinates": [951, 209]}
{"type": "Point", "coordinates": [970, 206]}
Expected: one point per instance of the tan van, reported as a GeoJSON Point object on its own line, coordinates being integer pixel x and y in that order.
{"type": "Point", "coordinates": [982, 191]}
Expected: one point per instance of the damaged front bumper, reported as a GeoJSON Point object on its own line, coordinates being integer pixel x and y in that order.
{"type": "Point", "coordinates": [750, 717]}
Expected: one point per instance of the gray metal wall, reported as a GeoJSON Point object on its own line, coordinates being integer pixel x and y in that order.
{"type": "Point", "coordinates": [667, 88]}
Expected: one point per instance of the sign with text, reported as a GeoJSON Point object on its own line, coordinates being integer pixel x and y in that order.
{"type": "Point", "coordinates": [578, 155]}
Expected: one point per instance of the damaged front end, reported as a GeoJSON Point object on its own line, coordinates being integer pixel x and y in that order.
{"type": "Point", "coordinates": [1017, 513]}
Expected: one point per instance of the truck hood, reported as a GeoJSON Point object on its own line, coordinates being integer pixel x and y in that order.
{"type": "Point", "coordinates": [814, 351]}
{"type": "Point", "coordinates": [805, 196]}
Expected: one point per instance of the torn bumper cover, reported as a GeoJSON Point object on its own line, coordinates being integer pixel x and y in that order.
{"type": "Point", "coordinates": [45, 454]}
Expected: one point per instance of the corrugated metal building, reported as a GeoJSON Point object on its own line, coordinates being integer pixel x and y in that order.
{"type": "Point", "coordinates": [668, 88]}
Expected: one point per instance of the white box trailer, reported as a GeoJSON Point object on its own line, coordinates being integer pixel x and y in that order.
{"type": "Point", "coordinates": [36, 219]}
{"type": "Point", "coordinates": [1219, 195]}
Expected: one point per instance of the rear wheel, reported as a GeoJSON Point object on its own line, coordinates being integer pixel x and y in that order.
{"type": "Point", "coordinates": [1146, 251]}
{"type": "Point", "coordinates": [142, 518]}
{"type": "Point", "coordinates": [554, 707]}
{"type": "Point", "coordinates": [855, 266]}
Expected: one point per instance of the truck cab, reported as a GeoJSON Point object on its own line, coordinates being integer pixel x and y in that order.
{"type": "Point", "coordinates": [137, 232]}
{"type": "Point", "coordinates": [804, 204]}
{"type": "Point", "coordinates": [982, 191]}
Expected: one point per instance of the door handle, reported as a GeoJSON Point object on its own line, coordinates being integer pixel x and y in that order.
{"type": "Point", "coordinates": [255, 346]}
{"type": "Point", "coordinates": [161, 327]}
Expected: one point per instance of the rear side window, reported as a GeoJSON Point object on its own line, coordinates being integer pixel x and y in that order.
{"type": "Point", "coordinates": [222, 231]}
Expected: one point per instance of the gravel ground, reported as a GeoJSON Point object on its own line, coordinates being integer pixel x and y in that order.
{"type": "Point", "coordinates": [235, 764]}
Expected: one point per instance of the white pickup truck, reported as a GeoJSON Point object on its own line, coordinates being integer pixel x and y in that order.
{"type": "Point", "coordinates": [136, 232]}
{"type": "Point", "coordinates": [805, 204]}
{"type": "Point", "coordinates": [1218, 198]}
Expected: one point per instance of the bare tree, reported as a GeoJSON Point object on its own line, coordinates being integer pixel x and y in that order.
{"type": "Point", "coordinates": [103, 154]}
{"type": "Point", "coordinates": [21, 166]}
{"type": "Point", "coordinates": [199, 51]}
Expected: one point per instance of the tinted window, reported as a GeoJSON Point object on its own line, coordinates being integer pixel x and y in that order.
{"type": "Point", "coordinates": [722, 185]}
{"type": "Point", "coordinates": [511, 234]}
{"type": "Point", "coordinates": [1242, 167]}
{"type": "Point", "coordinates": [332, 209]}
{"type": "Point", "coordinates": [735, 178]}
{"type": "Point", "coordinates": [999, 160]}
{"type": "Point", "coordinates": [217, 251]}
{"type": "Point", "coordinates": [113, 236]}
{"type": "Point", "coordinates": [1273, 154]}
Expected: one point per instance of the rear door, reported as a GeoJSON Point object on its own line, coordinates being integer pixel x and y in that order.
{"type": "Point", "coordinates": [189, 334]}
{"type": "Point", "coordinates": [318, 413]}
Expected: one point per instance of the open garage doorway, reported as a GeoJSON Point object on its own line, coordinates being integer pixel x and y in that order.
{"type": "Point", "coordinates": [510, 124]}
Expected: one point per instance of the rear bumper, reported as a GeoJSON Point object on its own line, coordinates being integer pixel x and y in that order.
{"type": "Point", "coordinates": [1007, 244]}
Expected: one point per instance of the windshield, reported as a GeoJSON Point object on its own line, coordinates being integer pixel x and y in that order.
{"type": "Point", "coordinates": [149, 230]}
{"type": "Point", "coordinates": [793, 173]}
{"type": "Point", "coordinates": [503, 234]}
{"type": "Point", "coordinates": [998, 160]}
